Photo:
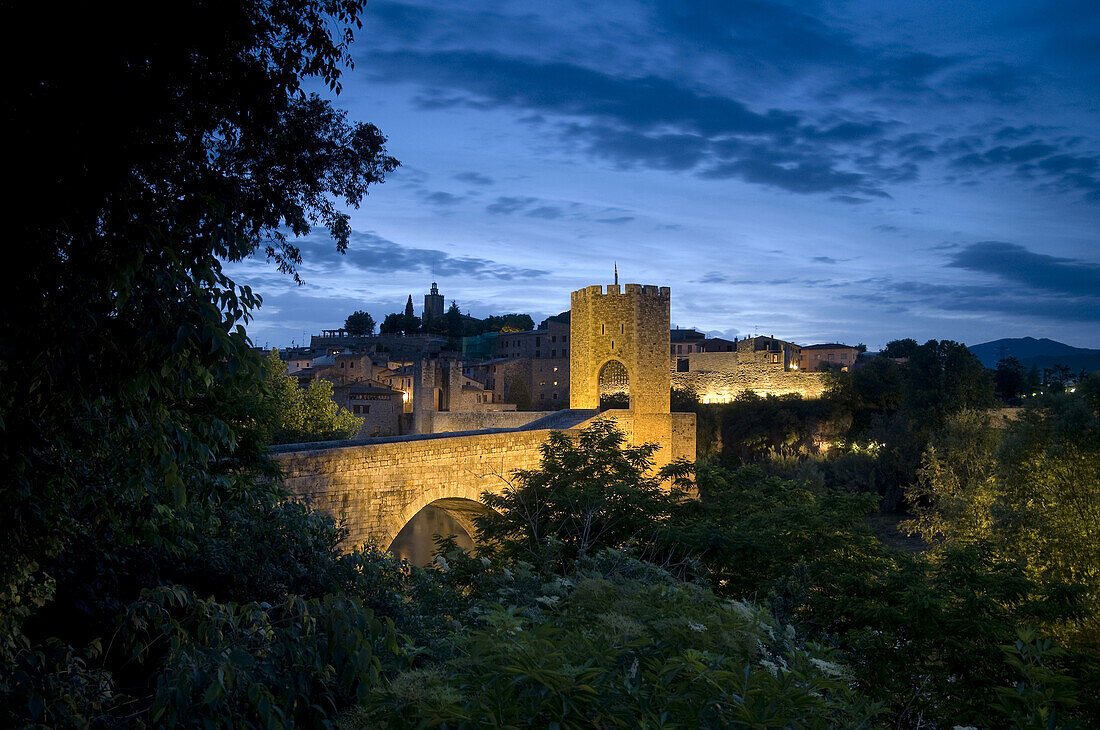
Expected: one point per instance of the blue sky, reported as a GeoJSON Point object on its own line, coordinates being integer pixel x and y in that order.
{"type": "Point", "coordinates": [841, 171]}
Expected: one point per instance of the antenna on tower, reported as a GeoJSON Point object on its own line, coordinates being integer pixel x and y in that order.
{"type": "Point", "coordinates": [616, 273]}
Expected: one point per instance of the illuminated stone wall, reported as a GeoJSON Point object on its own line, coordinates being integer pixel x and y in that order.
{"type": "Point", "coordinates": [446, 421]}
{"type": "Point", "coordinates": [630, 326]}
{"type": "Point", "coordinates": [719, 377]}
{"type": "Point", "coordinates": [375, 488]}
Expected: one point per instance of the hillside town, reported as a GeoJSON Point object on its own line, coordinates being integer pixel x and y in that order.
{"type": "Point", "coordinates": [399, 380]}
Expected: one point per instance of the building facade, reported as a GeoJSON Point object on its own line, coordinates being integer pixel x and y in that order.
{"type": "Point", "coordinates": [819, 357]}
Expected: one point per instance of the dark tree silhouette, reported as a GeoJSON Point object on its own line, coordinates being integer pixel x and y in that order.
{"type": "Point", "coordinates": [194, 144]}
{"type": "Point", "coordinates": [359, 323]}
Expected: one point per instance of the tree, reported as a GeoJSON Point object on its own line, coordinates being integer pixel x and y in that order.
{"type": "Point", "coordinates": [507, 323]}
{"type": "Point", "coordinates": [409, 311]}
{"type": "Point", "coordinates": [133, 422]}
{"type": "Point", "coordinates": [900, 348]}
{"type": "Point", "coordinates": [1009, 378]}
{"type": "Point", "coordinates": [453, 319]}
{"type": "Point", "coordinates": [590, 492]}
{"type": "Point", "coordinates": [399, 324]}
{"type": "Point", "coordinates": [359, 323]}
{"type": "Point", "coordinates": [305, 414]}
{"type": "Point", "coordinates": [956, 490]}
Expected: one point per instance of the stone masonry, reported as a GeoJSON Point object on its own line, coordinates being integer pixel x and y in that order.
{"type": "Point", "coordinates": [376, 486]}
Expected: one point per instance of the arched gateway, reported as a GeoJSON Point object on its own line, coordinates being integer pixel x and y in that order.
{"type": "Point", "coordinates": [375, 486]}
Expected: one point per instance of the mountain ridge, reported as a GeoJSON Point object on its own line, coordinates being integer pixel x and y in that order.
{"type": "Point", "coordinates": [1040, 352]}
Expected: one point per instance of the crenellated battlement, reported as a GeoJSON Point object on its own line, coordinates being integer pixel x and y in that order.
{"type": "Point", "coordinates": [598, 290]}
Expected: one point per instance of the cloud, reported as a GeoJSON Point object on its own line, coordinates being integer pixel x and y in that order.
{"type": "Point", "coordinates": [1045, 162]}
{"type": "Point", "coordinates": [849, 200]}
{"type": "Point", "coordinates": [547, 212]}
{"type": "Point", "coordinates": [825, 260]}
{"type": "Point", "coordinates": [474, 178]}
{"type": "Point", "coordinates": [371, 253]}
{"type": "Point", "coordinates": [505, 205]}
{"type": "Point", "coordinates": [811, 176]}
{"type": "Point", "coordinates": [1014, 263]}
{"type": "Point", "coordinates": [441, 199]}
{"type": "Point", "coordinates": [701, 96]}
{"type": "Point", "coordinates": [490, 80]}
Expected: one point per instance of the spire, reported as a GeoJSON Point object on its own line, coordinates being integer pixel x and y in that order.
{"type": "Point", "coordinates": [616, 273]}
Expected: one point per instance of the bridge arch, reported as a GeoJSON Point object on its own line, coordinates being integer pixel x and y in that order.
{"type": "Point", "coordinates": [462, 507]}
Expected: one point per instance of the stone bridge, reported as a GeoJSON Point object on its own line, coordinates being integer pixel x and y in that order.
{"type": "Point", "coordinates": [376, 486]}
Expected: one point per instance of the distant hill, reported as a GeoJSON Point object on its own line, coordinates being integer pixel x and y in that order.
{"type": "Point", "coordinates": [1042, 353]}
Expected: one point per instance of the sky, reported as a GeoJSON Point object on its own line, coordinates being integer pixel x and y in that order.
{"type": "Point", "coordinates": [835, 171]}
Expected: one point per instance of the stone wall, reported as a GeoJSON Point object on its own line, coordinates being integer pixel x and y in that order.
{"type": "Point", "coordinates": [719, 377]}
{"type": "Point", "coordinates": [444, 422]}
{"type": "Point", "coordinates": [376, 488]}
{"type": "Point", "coordinates": [630, 326]}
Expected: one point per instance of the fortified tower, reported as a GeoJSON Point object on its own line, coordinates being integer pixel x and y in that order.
{"type": "Point", "coordinates": [619, 343]}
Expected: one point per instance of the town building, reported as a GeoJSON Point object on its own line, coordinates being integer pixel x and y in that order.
{"type": "Point", "coordinates": [379, 407]}
{"type": "Point", "coordinates": [823, 357]}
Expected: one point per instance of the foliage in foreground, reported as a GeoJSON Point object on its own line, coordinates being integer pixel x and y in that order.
{"type": "Point", "coordinates": [922, 635]}
{"type": "Point", "coordinates": [619, 644]}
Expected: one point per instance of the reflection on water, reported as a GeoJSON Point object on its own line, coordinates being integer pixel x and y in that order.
{"type": "Point", "coordinates": [415, 544]}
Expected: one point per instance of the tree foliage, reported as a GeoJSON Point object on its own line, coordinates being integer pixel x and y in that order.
{"type": "Point", "coordinates": [588, 493]}
{"type": "Point", "coordinates": [400, 324]}
{"type": "Point", "coordinates": [305, 414]}
{"type": "Point", "coordinates": [359, 323]}
{"type": "Point", "coordinates": [131, 429]}
{"type": "Point", "coordinates": [506, 323]}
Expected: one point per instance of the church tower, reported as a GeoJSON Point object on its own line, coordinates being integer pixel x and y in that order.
{"type": "Point", "coordinates": [433, 304]}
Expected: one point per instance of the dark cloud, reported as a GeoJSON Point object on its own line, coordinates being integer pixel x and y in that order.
{"type": "Point", "coordinates": [1006, 155]}
{"type": "Point", "coordinates": [652, 122]}
{"type": "Point", "coordinates": [474, 178]}
{"type": "Point", "coordinates": [489, 80]}
{"type": "Point", "coordinates": [616, 221]}
{"type": "Point", "coordinates": [547, 212]}
{"type": "Point", "coordinates": [885, 228]}
{"type": "Point", "coordinates": [825, 260]}
{"type": "Point", "coordinates": [1045, 162]}
{"type": "Point", "coordinates": [638, 114]}
{"type": "Point", "coordinates": [995, 80]}
{"type": "Point", "coordinates": [373, 254]}
{"type": "Point", "coordinates": [1017, 264]}
{"type": "Point", "coordinates": [849, 200]}
{"type": "Point", "coordinates": [813, 176]}
{"type": "Point", "coordinates": [505, 205]}
{"type": "Point", "coordinates": [441, 198]}
{"type": "Point", "coordinates": [630, 148]}
{"type": "Point", "coordinates": [847, 132]}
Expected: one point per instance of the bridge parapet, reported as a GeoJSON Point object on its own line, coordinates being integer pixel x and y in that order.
{"type": "Point", "coordinates": [375, 486]}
